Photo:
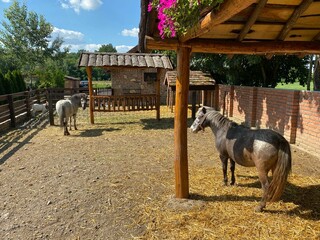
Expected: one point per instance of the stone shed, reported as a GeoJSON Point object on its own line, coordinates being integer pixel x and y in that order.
{"type": "Point", "coordinates": [135, 78]}
{"type": "Point", "coordinates": [201, 89]}
{"type": "Point", "coordinates": [71, 82]}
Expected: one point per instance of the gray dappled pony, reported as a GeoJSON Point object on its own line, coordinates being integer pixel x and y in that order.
{"type": "Point", "coordinates": [263, 148]}
{"type": "Point", "coordinates": [68, 108]}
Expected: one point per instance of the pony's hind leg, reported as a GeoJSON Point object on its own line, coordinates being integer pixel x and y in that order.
{"type": "Point", "coordinates": [263, 177]}
{"type": "Point", "coordinates": [65, 127]}
{"type": "Point", "coordinates": [232, 169]}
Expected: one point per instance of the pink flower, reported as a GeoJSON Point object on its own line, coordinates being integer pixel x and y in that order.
{"type": "Point", "coordinates": [150, 6]}
{"type": "Point", "coordinates": [165, 22]}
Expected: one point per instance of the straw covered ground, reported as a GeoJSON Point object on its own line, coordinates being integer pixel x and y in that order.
{"type": "Point", "coordinates": [115, 180]}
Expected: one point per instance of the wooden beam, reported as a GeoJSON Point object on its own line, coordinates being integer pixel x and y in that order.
{"type": "Point", "coordinates": [91, 103]}
{"type": "Point", "coordinates": [235, 47]}
{"type": "Point", "coordinates": [269, 56]}
{"type": "Point", "coordinates": [228, 9]}
{"type": "Point", "coordinates": [180, 123]}
{"type": "Point", "coordinates": [293, 19]}
{"type": "Point", "coordinates": [252, 19]}
{"type": "Point", "coordinates": [158, 92]}
{"type": "Point", "coordinates": [316, 37]}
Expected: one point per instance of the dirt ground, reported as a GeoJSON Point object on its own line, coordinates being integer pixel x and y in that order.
{"type": "Point", "coordinates": [99, 182]}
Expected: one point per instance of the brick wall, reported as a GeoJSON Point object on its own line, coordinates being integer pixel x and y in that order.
{"type": "Point", "coordinates": [308, 125]}
{"type": "Point", "coordinates": [294, 114]}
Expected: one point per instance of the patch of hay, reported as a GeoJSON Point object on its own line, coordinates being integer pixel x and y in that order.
{"type": "Point", "coordinates": [218, 212]}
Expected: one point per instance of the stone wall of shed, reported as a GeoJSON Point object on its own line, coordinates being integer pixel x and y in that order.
{"type": "Point", "coordinates": [294, 114]}
{"type": "Point", "coordinates": [131, 81]}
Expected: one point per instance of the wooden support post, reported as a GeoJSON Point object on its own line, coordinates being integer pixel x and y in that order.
{"type": "Point", "coordinates": [180, 123]}
{"type": "Point", "coordinates": [158, 93]}
{"type": "Point", "coordinates": [91, 102]}
{"type": "Point", "coordinates": [194, 101]}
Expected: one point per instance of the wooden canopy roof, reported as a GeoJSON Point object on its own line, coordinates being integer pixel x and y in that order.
{"type": "Point", "coordinates": [198, 80]}
{"type": "Point", "coordinates": [145, 60]}
{"type": "Point", "coordinates": [244, 27]}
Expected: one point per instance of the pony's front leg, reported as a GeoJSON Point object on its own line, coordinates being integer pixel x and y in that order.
{"type": "Point", "coordinates": [70, 123]}
{"type": "Point", "coordinates": [224, 161]}
{"type": "Point", "coordinates": [232, 169]}
{"type": "Point", "coordinates": [74, 121]}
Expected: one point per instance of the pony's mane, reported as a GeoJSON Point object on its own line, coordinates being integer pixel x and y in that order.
{"type": "Point", "coordinates": [219, 120]}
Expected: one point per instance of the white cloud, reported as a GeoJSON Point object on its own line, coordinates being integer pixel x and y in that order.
{"type": "Point", "coordinates": [68, 36]}
{"type": "Point", "coordinates": [75, 41]}
{"type": "Point", "coordinates": [123, 48]}
{"type": "Point", "coordinates": [78, 5]}
{"type": "Point", "coordinates": [5, 1]}
{"type": "Point", "coordinates": [130, 32]}
{"type": "Point", "coordinates": [77, 47]}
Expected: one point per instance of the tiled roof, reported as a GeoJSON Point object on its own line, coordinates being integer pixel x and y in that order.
{"type": "Point", "coordinates": [99, 59]}
{"type": "Point", "coordinates": [197, 78]}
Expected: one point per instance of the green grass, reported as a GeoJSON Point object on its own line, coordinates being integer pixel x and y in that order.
{"type": "Point", "coordinates": [101, 84]}
{"type": "Point", "coordinates": [293, 86]}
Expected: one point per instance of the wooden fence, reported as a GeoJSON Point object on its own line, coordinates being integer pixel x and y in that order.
{"type": "Point", "coordinates": [16, 107]}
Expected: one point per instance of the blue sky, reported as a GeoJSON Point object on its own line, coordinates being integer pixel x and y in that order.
{"type": "Point", "coordinates": [87, 24]}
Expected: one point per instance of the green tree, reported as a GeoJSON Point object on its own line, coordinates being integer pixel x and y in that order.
{"type": "Point", "coordinates": [252, 70]}
{"type": "Point", "coordinates": [2, 87]}
{"type": "Point", "coordinates": [107, 48]}
{"type": "Point", "coordinates": [10, 83]}
{"type": "Point", "coordinates": [6, 61]}
{"type": "Point", "coordinates": [21, 85]}
{"type": "Point", "coordinates": [25, 37]}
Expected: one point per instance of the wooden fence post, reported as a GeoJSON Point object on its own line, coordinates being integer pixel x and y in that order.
{"type": "Point", "coordinates": [50, 102]}
{"type": "Point", "coordinates": [11, 109]}
{"type": "Point", "coordinates": [27, 94]}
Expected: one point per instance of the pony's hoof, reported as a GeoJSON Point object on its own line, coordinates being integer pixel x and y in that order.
{"type": "Point", "coordinates": [258, 209]}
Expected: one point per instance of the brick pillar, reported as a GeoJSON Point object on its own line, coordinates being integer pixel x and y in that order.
{"type": "Point", "coordinates": [254, 98]}
{"type": "Point", "coordinates": [216, 97]}
{"type": "Point", "coordinates": [231, 101]}
{"type": "Point", "coordinates": [292, 116]}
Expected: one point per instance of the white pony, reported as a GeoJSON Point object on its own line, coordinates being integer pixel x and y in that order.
{"type": "Point", "coordinates": [69, 108]}
{"type": "Point", "coordinates": [39, 108]}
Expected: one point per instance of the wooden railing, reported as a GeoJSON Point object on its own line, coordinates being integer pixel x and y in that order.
{"type": "Point", "coordinates": [124, 103]}
{"type": "Point", "coordinates": [17, 106]}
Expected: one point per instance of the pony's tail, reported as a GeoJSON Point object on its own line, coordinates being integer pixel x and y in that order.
{"type": "Point", "coordinates": [280, 173]}
{"type": "Point", "coordinates": [63, 115]}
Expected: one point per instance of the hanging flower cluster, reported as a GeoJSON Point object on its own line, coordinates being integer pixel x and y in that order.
{"type": "Point", "coordinates": [176, 16]}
